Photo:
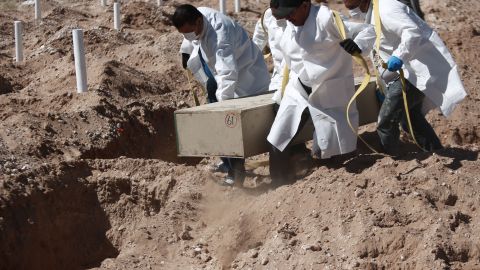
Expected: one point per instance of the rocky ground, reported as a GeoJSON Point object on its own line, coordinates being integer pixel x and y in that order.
{"type": "Point", "coordinates": [92, 180]}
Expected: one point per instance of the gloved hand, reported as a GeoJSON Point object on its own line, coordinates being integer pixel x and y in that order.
{"type": "Point", "coordinates": [350, 46]}
{"type": "Point", "coordinates": [185, 57]}
{"type": "Point", "coordinates": [394, 63]}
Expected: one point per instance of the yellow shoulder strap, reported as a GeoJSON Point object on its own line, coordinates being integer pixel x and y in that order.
{"type": "Point", "coordinates": [262, 24]}
{"type": "Point", "coordinates": [378, 24]}
{"type": "Point", "coordinates": [286, 70]}
{"type": "Point", "coordinates": [262, 18]}
{"type": "Point", "coordinates": [189, 76]}
{"type": "Point", "coordinates": [378, 33]}
{"type": "Point", "coordinates": [286, 74]}
{"type": "Point", "coordinates": [366, 78]}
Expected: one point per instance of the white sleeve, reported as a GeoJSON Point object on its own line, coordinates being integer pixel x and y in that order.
{"type": "Point", "coordinates": [186, 47]}
{"type": "Point", "coordinates": [396, 19]}
{"type": "Point", "coordinates": [259, 36]}
{"type": "Point", "coordinates": [363, 34]}
{"type": "Point", "coordinates": [225, 64]}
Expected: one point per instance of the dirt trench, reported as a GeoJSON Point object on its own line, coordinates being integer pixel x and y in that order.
{"type": "Point", "coordinates": [74, 215]}
{"type": "Point", "coordinates": [57, 224]}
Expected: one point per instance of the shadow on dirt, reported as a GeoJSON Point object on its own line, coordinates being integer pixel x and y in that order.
{"type": "Point", "coordinates": [62, 226]}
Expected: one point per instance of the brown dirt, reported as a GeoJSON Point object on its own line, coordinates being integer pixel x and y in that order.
{"type": "Point", "coordinates": [92, 181]}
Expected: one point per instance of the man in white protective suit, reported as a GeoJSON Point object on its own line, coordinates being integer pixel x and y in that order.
{"type": "Point", "coordinates": [406, 42]}
{"type": "Point", "coordinates": [221, 56]}
{"type": "Point", "coordinates": [269, 31]}
{"type": "Point", "coordinates": [323, 84]}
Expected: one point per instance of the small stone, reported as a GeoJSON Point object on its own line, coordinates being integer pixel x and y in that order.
{"type": "Point", "coordinates": [359, 192]}
{"type": "Point", "coordinates": [182, 104]}
{"type": "Point", "coordinates": [325, 228]}
{"type": "Point", "coordinates": [186, 236]}
{"type": "Point", "coordinates": [314, 247]}
{"type": "Point", "coordinates": [8, 165]}
{"type": "Point", "coordinates": [264, 261]}
{"type": "Point", "coordinates": [363, 183]}
{"type": "Point", "coordinates": [293, 242]}
{"type": "Point", "coordinates": [254, 254]}
{"type": "Point", "coordinates": [205, 257]}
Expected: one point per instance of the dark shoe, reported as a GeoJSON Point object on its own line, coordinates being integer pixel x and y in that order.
{"type": "Point", "coordinates": [219, 167]}
{"type": "Point", "coordinates": [228, 181]}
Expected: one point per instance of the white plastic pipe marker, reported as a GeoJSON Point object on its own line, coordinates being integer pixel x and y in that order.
{"type": "Point", "coordinates": [116, 16]}
{"type": "Point", "coordinates": [237, 6]}
{"type": "Point", "coordinates": [79, 54]}
{"type": "Point", "coordinates": [18, 41]}
{"type": "Point", "coordinates": [103, 3]}
{"type": "Point", "coordinates": [38, 12]}
{"type": "Point", "coordinates": [222, 8]}
{"type": "Point", "coordinates": [159, 3]}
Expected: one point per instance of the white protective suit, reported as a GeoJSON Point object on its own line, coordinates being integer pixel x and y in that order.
{"type": "Point", "coordinates": [427, 62]}
{"type": "Point", "coordinates": [271, 33]}
{"type": "Point", "coordinates": [234, 60]}
{"type": "Point", "coordinates": [313, 52]}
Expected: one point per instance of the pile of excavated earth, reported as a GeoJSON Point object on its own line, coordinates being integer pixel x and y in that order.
{"type": "Point", "coordinates": [93, 181]}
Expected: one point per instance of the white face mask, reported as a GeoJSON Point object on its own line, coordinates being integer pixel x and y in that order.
{"type": "Point", "coordinates": [191, 36]}
{"type": "Point", "coordinates": [357, 14]}
{"type": "Point", "coordinates": [281, 23]}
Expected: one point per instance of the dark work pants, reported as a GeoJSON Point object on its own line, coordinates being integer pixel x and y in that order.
{"type": "Point", "coordinates": [392, 113]}
{"type": "Point", "coordinates": [236, 166]}
{"type": "Point", "coordinates": [281, 168]}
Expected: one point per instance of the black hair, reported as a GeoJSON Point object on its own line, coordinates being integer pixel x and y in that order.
{"type": "Point", "coordinates": [185, 14]}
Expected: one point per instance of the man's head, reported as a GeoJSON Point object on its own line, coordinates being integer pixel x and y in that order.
{"type": "Point", "coordinates": [295, 11]}
{"type": "Point", "coordinates": [189, 21]}
{"type": "Point", "coordinates": [361, 4]}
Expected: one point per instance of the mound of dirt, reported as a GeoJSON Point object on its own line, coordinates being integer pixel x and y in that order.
{"type": "Point", "coordinates": [145, 15]}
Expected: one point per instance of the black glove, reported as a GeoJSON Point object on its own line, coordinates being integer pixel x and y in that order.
{"type": "Point", "coordinates": [350, 46]}
{"type": "Point", "coordinates": [185, 57]}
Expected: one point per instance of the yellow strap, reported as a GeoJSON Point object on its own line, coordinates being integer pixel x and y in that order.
{"type": "Point", "coordinates": [286, 70]}
{"type": "Point", "coordinates": [378, 24]}
{"type": "Point", "coordinates": [286, 74]}
{"type": "Point", "coordinates": [378, 35]}
{"type": "Point", "coordinates": [189, 75]}
{"type": "Point", "coordinates": [265, 56]}
{"type": "Point", "coordinates": [262, 24]}
{"type": "Point", "coordinates": [253, 164]}
{"type": "Point", "coordinates": [366, 79]}
{"type": "Point", "coordinates": [378, 32]}
{"type": "Point", "coordinates": [407, 112]}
